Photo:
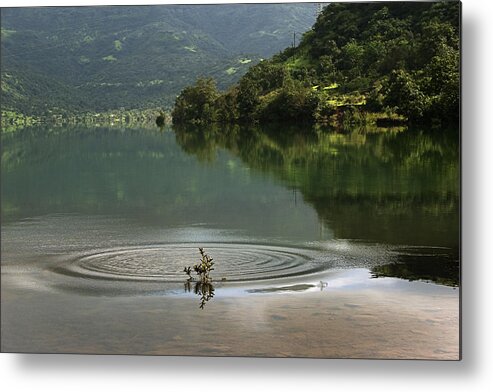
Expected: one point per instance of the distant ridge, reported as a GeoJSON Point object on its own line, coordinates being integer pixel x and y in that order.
{"type": "Point", "coordinates": [101, 58]}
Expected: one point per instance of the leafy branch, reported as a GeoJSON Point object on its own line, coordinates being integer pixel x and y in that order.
{"type": "Point", "coordinates": [203, 286]}
{"type": "Point", "coordinates": [202, 268]}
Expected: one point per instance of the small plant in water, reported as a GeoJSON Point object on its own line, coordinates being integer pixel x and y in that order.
{"type": "Point", "coordinates": [202, 268]}
{"type": "Point", "coordinates": [203, 286]}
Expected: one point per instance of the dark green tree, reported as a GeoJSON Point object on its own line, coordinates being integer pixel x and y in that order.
{"type": "Point", "coordinates": [196, 104]}
{"type": "Point", "coordinates": [405, 95]}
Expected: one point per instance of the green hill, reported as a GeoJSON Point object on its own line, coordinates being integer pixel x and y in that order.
{"type": "Point", "coordinates": [101, 58]}
{"type": "Point", "coordinates": [399, 59]}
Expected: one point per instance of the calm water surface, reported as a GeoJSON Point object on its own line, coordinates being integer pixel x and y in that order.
{"type": "Point", "coordinates": [117, 213]}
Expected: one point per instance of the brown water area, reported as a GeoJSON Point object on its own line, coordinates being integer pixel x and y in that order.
{"type": "Point", "coordinates": [326, 244]}
{"type": "Point", "coordinates": [367, 323]}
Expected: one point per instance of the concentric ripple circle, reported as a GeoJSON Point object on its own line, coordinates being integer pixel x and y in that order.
{"type": "Point", "coordinates": [165, 262]}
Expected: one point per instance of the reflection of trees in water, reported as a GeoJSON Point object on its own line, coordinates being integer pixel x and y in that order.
{"type": "Point", "coordinates": [389, 187]}
{"type": "Point", "coordinates": [387, 182]}
{"type": "Point", "coordinates": [93, 170]}
{"type": "Point", "coordinates": [441, 268]}
{"type": "Point", "coordinates": [39, 144]}
{"type": "Point", "coordinates": [203, 289]}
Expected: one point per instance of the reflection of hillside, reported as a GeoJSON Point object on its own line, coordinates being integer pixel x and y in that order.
{"type": "Point", "coordinates": [144, 176]}
{"type": "Point", "coordinates": [436, 266]}
{"type": "Point", "coordinates": [37, 144]}
{"type": "Point", "coordinates": [91, 171]}
{"type": "Point", "coordinates": [397, 188]}
{"type": "Point", "coordinates": [389, 187]}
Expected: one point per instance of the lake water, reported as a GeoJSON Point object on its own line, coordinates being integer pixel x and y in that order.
{"type": "Point", "coordinates": [327, 244]}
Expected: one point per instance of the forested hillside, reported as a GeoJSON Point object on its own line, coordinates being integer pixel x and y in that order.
{"type": "Point", "coordinates": [360, 61]}
{"type": "Point", "coordinates": [99, 58]}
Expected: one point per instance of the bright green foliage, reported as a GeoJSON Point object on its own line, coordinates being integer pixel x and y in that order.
{"type": "Point", "coordinates": [397, 58]}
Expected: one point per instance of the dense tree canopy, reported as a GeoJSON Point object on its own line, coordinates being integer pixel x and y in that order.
{"type": "Point", "coordinates": [196, 103]}
{"type": "Point", "coordinates": [397, 58]}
